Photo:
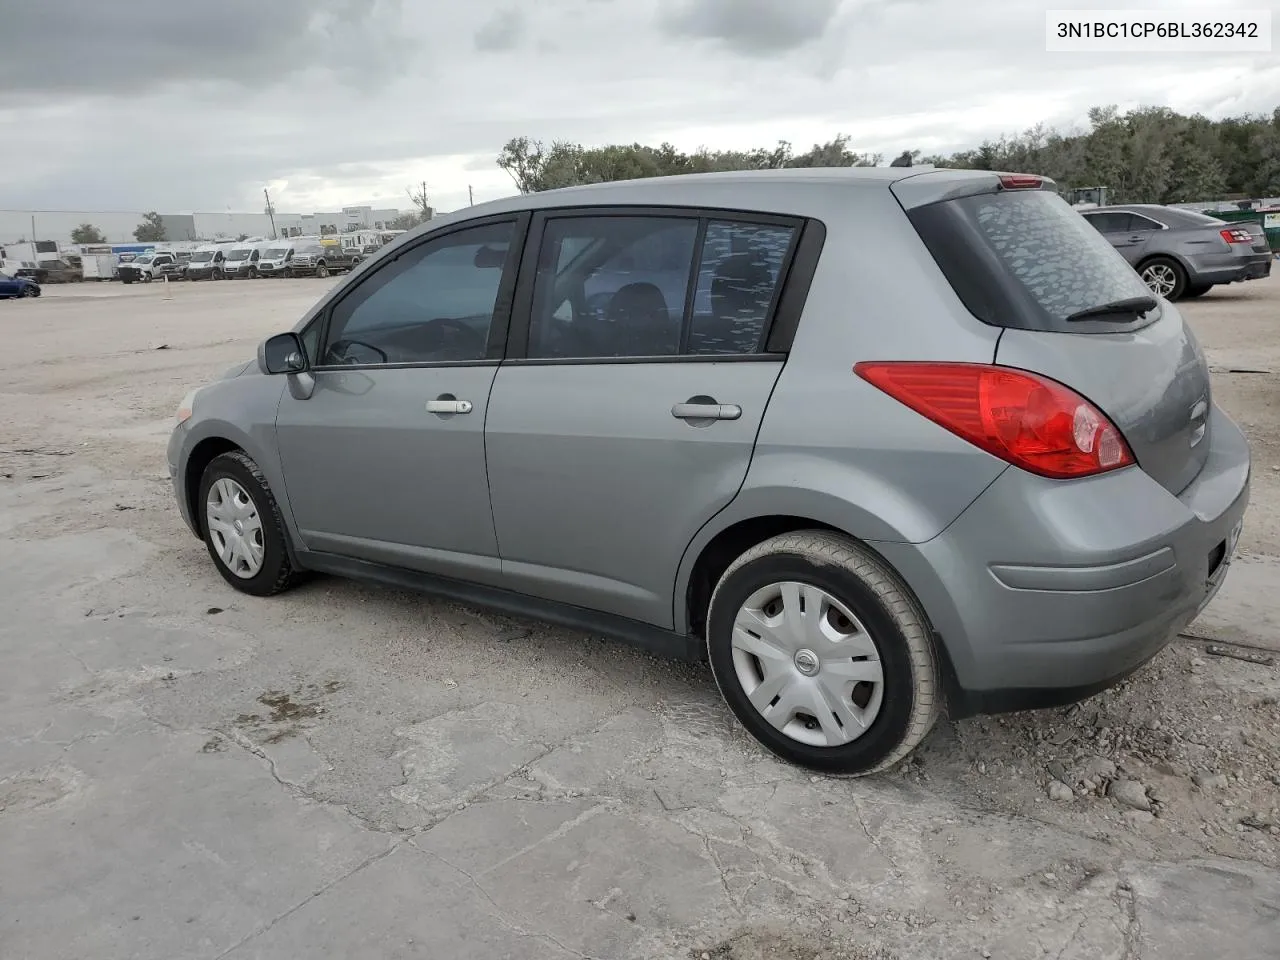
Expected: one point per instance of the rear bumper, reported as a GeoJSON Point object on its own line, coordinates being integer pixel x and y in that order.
{"type": "Point", "coordinates": [1229, 268]}
{"type": "Point", "coordinates": [1045, 592]}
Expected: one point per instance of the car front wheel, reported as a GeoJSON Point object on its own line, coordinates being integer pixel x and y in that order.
{"type": "Point", "coordinates": [1164, 277]}
{"type": "Point", "coordinates": [30, 292]}
{"type": "Point", "coordinates": [242, 527]}
{"type": "Point", "coordinates": [823, 654]}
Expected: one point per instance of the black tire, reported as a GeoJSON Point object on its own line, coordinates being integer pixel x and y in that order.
{"type": "Point", "coordinates": [30, 292]}
{"type": "Point", "coordinates": [322, 271]}
{"type": "Point", "coordinates": [277, 573]}
{"type": "Point", "coordinates": [1165, 266]}
{"type": "Point", "coordinates": [1192, 292]}
{"type": "Point", "coordinates": [253, 273]}
{"type": "Point", "coordinates": [912, 684]}
{"type": "Point", "coordinates": [146, 278]}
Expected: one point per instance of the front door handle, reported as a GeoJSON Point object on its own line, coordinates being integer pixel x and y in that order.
{"type": "Point", "coordinates": [706, 411]}
{"type": "Point", "coordinates": [448, 405]}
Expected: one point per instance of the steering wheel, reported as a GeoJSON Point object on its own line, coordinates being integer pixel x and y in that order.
{"type": "Point", "coordinates": [456, 335]}
{"type": "Point", "coordinates": [338, 352]}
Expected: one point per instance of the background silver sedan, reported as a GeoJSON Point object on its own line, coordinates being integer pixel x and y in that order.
{"type": "Point", "coordinates": [1182, 253]}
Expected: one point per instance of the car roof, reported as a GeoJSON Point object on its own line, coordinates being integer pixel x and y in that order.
{"type": "Point", "coordinates": [765, 191]}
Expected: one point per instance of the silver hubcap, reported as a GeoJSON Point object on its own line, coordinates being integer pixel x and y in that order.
{"type": "Point", "coordinates": [1160, 278]}
{"type": "Point", "coordinates": [807, 664]}
{"type": "Point", "coordinates": [235, 529]}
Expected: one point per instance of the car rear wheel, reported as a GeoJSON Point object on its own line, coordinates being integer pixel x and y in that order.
{"type": "Point", "coordinates": [242, 527]}
{"type": "Point", "coordinates": [823, 654]}
{"type": "Point", "coordinates": [1164, 277]}
{"type": "Point", "coordinates": [1192, 292]}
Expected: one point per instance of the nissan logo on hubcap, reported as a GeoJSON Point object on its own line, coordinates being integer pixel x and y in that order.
{"type": "Point", "coordinates": [807, 662]}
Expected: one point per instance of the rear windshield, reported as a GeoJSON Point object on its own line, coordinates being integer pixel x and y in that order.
{"type": "Point", "coordinates": [1025, 259]}
{"type": "Point", "coordinates": [1193, 218]}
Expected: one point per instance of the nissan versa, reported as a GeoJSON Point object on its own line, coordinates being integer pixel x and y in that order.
{"type": "Point", "coordinates": [873, 442]}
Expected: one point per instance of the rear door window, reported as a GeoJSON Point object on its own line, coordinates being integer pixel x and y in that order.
{"type": "Point", "coordinates": [738, 281]}
{"type": "Point", "coordinates": [1026, 259]}
{"type": "Point", "coordinates": [1110, 222]}
{"type": "Point", "coordinates": [656, 286]}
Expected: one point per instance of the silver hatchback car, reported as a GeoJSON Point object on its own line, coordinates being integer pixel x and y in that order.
{"type": "Point", "coordinates": [875, 443]}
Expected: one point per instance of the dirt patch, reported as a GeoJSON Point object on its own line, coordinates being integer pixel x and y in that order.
{"type": "Point", "coordinates": [765, 945]}
{"type": "Point", "coordinates": [287, 710]}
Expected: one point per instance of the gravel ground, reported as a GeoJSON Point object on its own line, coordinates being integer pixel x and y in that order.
{"type": "Point", "coordinates": [350, 771]}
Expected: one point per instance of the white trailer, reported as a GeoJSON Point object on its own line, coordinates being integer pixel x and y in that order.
{"type": "Point", "coordinates": [98, 262]}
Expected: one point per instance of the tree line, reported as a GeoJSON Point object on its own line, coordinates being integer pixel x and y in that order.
{"type": "Point", "coordinates": [1146, 155]}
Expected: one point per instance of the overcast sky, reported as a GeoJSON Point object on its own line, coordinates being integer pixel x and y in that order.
{"type": "Point", "coordinates": [180, 106]}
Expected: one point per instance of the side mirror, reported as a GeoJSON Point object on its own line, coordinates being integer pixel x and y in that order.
{"type": "Point", "coordinates": [282, 353]}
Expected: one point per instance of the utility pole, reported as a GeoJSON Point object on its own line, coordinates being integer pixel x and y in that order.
{"type": "Point", "coordinates": [471, 197]}
{"type": "Point", "coordinates": [271, 212]}
{"type": "Point", "coordinates": [33, 236]}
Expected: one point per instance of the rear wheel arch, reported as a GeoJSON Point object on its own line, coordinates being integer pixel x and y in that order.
{"type": "Point", "coordinates": [721, 551]}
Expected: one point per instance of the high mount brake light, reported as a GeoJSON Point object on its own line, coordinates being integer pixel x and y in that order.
{"type": "Point", "coordinates": [1021, 181]}
{"type": "Point", "coordinates": [1027, 420]}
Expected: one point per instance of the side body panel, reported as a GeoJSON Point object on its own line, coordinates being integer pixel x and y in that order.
{"type": "Point", "coordinates": [834, 449]}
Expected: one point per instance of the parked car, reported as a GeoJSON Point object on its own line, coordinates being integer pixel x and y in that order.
{"type": "Point", "coordinates": [1182, 253]}
{"type": "Point", "coordinates": [322, 259]}
{"type": "Point", "coordinates": [870, 441]}
{"type": "Point", "coordinates": [150, 266]}
{"type": "Point", "coordinates": [63, 270]}
{"type": "Point", "coordinates": [29, 269]}
{"type": "Point", "coordinates": [274, 261]}
{"type": "Point", "coordinates": [206, 263]}
{"type": "Point", "coordinates": [12, 287]}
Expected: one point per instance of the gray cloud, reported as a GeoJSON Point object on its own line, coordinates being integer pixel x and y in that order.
{"type": "Point", "coordinates": [502, 31]}
{"type": "Point", "coordinates": [141, 45]}
{"type": "Point", "coordinates": [381, 94]}
{"type": "Point", "coordinates": [750, 26]}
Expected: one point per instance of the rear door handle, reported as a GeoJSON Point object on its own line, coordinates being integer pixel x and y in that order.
{"type": "Point", "coordinates": [450, 405]}
{"type": "Point", "coordinates": [706, 411]}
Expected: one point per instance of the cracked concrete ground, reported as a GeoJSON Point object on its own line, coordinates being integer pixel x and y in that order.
{"type": "Point", "coordinates": [346, 771]}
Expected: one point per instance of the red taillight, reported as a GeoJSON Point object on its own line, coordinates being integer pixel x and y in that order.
{"type": "Point", "coordinates": [1027, 420]}
{"type": "Point", "coordinates": [1021, 181]}
{"type": "Point", "coordinates": [1236, 235]}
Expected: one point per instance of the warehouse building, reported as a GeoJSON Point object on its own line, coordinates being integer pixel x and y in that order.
{"type": "Point", "coordinates": [117, 226]}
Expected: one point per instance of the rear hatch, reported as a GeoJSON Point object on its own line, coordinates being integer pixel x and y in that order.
{"type": "Point", "coordinates": [1071, 308]}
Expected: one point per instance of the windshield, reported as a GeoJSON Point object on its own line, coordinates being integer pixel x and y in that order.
{"type": "Point", "coordinates": [202, 256]}
{"type": "Point", "coordinates": [241, 254]}
{"type": "Point", "coordinates": [145, 258]}
{"type": "Point", "coordinates": [1025, 258]}
{"type": "Point", "coordinates": [276, 253]}
{"type": "Point", "coordinates": [311, 251]}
